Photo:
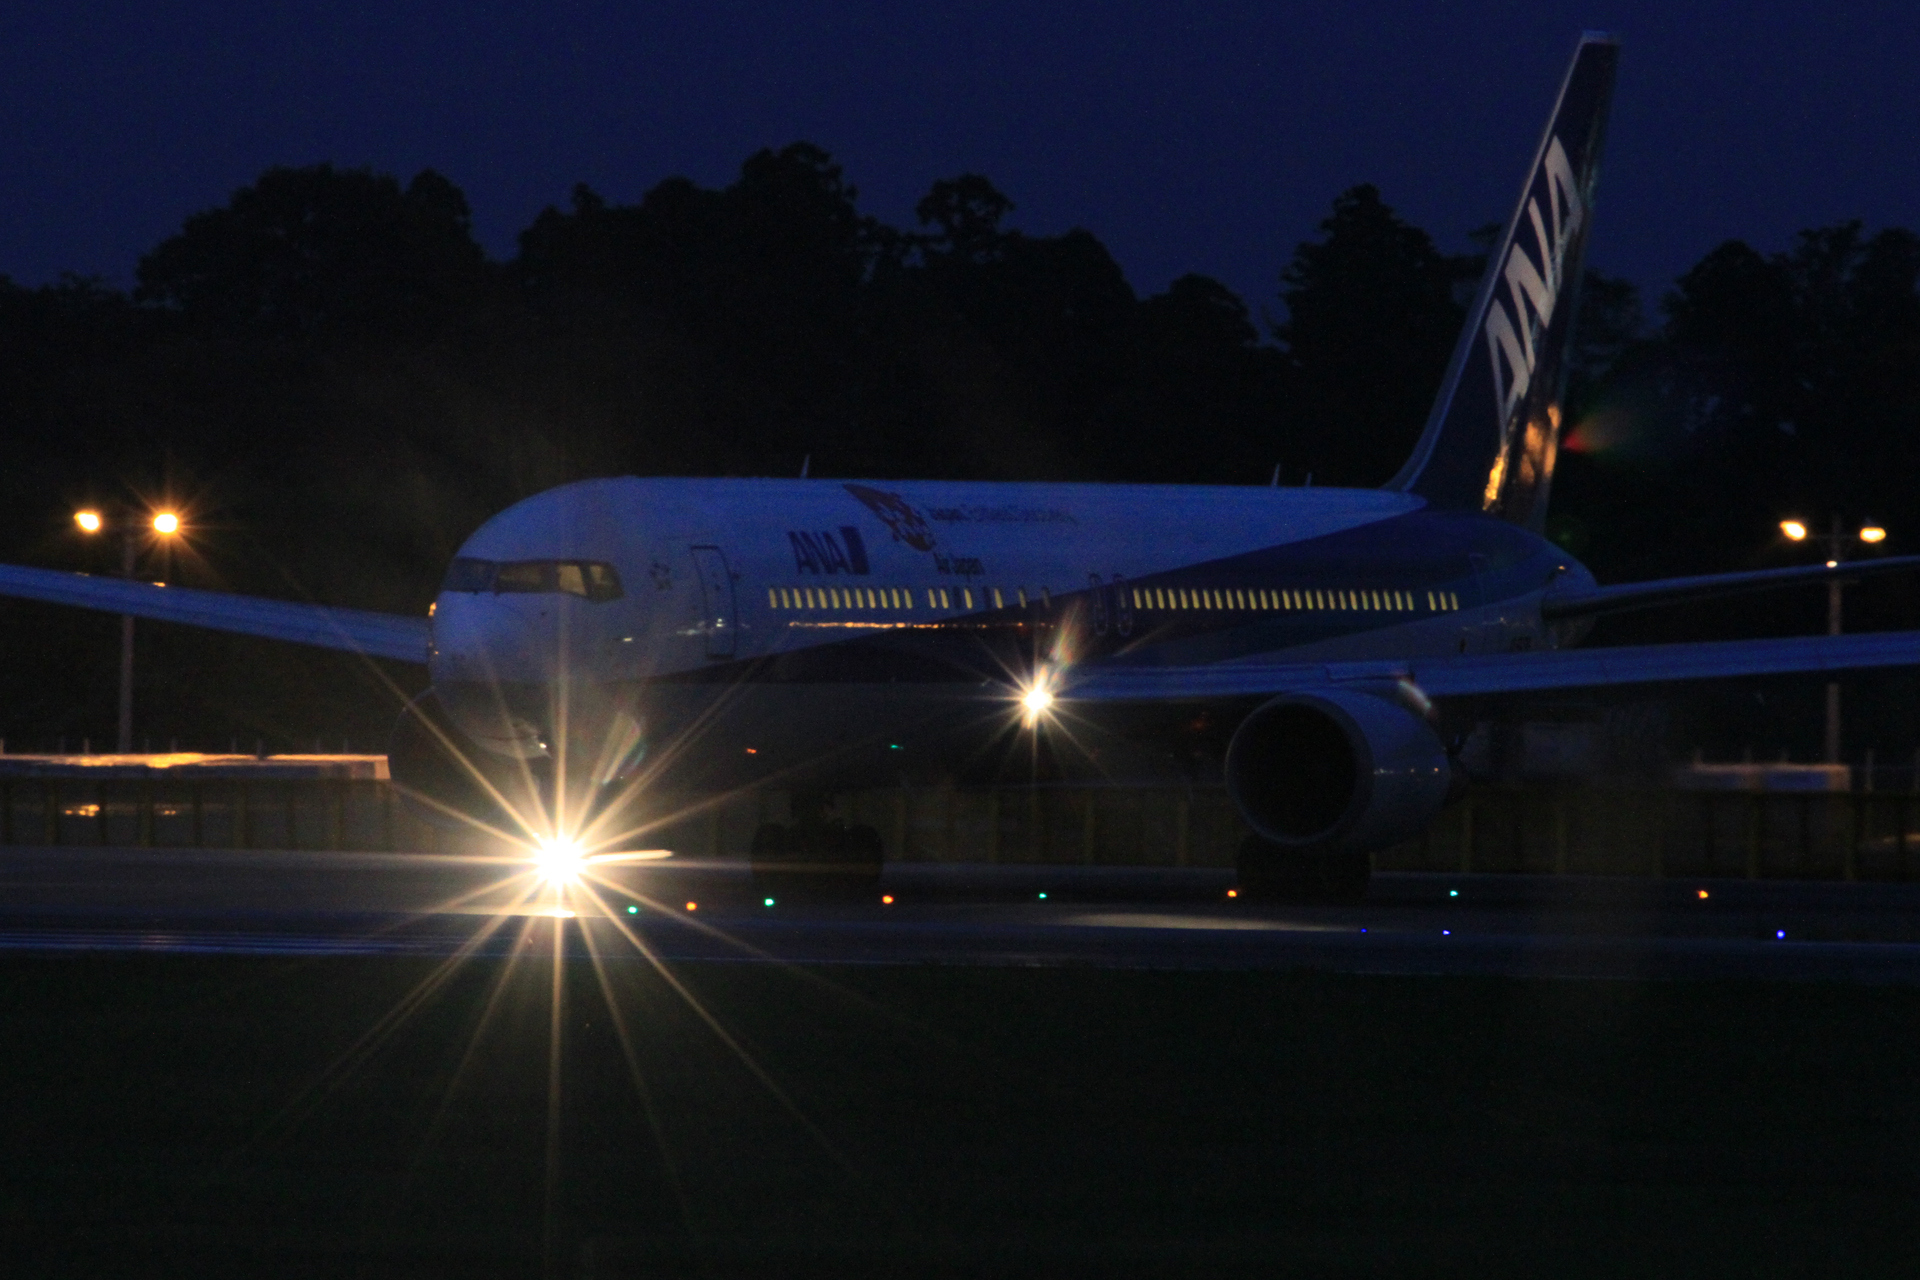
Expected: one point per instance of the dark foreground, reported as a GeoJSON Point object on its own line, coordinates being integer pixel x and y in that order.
{"type": "Point", "coordinates": [397, 1116]}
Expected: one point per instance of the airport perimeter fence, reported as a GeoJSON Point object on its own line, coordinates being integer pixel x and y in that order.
{"type": "Point", "coordinates": [1544, 827]}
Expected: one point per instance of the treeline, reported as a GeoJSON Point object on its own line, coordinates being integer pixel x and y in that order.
{"type": "Point", "coordinates": [338, 384]}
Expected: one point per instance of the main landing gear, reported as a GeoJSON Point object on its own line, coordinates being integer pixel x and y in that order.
{"type": "Point", "coordinates": [814, 858]}
{"type": "Point", "coordinates": [1272, 872]}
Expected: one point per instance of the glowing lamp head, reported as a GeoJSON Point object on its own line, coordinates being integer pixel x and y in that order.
{"type": "Point", "coordinates": [166, 523]}
{"type": "Point", "coordinates": [1794, 529]}
{"type": "Point", "coordinates": [89, 521]}
{"type": "Point", "coordinates": [559, 859]}
{"type": "Point", "coordinates": [1036, 701]}
{"type": "Point", "coordinates": [1873, 533]}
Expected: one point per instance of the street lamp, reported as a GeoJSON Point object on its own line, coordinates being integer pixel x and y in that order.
{"type": "Point", "coordinates": [163, 524]}
{"type": "Point", "coordinates": [1796, 531]}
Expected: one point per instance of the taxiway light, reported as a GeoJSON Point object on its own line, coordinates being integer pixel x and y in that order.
{"type": "Point", "coordinates": [1779, 933]}
{"type": "Point", "coordinates": [1703, 895]}
{"type": "Point", "coordinates": [1794, 530]}
{"type": "Point", "coordinates": [1233, 893]}
{"type": "Point", "coordinates": [559, 859]}
{"type": "Point", "coordinates": [886, 899]}
{"type": "Point", "coordinates": [1453, 893]}
{"type": "Point", "coordinates": [166, 522]}
{"type": "Point", "coordinates": [89, 521]}
{"type": "Point", "coordinates": [1036, 701]}
{"type": "Point", "coordinates": [1873, 533]}
{"type": "Point", "coordinates": [633, 911]}
{"type": "Point", "coordinates": [766, 902]}
{"type": "Point", "coordinates": [693, 906]}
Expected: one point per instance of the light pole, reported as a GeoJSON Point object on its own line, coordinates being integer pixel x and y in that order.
{"type": "Point", "coordinates": [1872, 534]}
{"type": "Point", "coordinates": [162, 524]}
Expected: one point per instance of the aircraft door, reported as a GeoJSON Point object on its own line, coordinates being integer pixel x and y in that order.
{"type": "Point", "coordinates": [716, 592]}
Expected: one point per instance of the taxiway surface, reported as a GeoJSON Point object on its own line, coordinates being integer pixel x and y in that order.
{"type": "Point", "coordinates": [264, 902]}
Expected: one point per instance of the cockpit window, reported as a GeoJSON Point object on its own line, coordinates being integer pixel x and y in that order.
{"type": "Point", "coordinates": [469, 575]}
{"type": "Point", "coordinates": [590, 579]}
{"type": "Point", "coordinates": [525, 575]}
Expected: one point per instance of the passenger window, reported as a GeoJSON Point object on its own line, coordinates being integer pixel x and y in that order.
{"type": "Point", "coordinates": [571, 578]}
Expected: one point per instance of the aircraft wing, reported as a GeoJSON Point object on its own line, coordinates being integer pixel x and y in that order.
{"type": "Point", "coordinates": [1561, 604]}
{"type": "Point", "coordinates": [379, 635]}
{"type": "Point", "coordinates": [1503, 673]}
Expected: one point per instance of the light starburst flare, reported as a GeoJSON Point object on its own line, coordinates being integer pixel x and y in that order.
{"type": "Point", "coordinates": [559, 860]}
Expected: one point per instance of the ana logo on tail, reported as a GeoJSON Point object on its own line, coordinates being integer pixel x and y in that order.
{"type": "Point", "coordinates": [1534, 289]}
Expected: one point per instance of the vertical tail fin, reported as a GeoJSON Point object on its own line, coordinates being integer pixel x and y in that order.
{"type": "Point", "coordinates": [1490, 440]}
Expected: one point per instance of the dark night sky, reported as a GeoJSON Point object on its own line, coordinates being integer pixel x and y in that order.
{"type": "Point", "coordinates": [1210, 138]}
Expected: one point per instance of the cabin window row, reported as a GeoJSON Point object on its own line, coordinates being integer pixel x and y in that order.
{"type": "Point", "coordinates": [1368, 600]}
{"type": "Point", "coordinates": [901, 598]}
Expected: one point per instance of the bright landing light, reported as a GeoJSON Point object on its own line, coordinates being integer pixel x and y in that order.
{"type": "Point", "coordinates": [166, 522]}
{"type": "Point", "coordinates": [1793, 529]}
{"type": "Point", "coordinates": [559, 859]}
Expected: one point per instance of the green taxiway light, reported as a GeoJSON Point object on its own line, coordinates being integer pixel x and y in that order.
{"type": "Point", "coordinates": [633, 911]}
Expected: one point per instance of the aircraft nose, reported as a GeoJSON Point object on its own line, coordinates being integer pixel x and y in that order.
{"type": "Point", "coordinates": [476, 641]}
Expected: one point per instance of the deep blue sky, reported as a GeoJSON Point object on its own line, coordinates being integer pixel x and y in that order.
{"type": "Point", "coordinates": [1202, 137]}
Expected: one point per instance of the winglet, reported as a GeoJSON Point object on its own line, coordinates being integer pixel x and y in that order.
{"type": "Point", "coordinates": [1490, 441]}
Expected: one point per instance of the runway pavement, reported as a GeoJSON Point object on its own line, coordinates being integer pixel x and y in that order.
{"type": "Point", "coordinates": [263, 902]}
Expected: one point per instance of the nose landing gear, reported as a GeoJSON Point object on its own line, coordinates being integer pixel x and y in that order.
{"type": "Point", "coordinates": [815, 858]}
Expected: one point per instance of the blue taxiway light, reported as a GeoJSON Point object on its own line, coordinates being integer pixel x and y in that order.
{"type": "Point", "coordinates": [1446, 933]}
{"type": "Point", "coordinates": [1779, 933]}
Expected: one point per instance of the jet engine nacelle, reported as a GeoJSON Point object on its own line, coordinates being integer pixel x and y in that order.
{"type": "Point", "coordinates": [1337, 771]}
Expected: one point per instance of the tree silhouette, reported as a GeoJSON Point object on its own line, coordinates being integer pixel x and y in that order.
{"type": "Point", "coordinates": [1371, 319]}
{"type": "Point", "coordinates": [321, 253]}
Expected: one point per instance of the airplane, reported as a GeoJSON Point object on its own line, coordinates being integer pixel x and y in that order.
{"type": "Point", "coordinates": [1316, 649]}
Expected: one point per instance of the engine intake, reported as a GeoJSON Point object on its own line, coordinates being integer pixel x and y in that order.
{"type": "Point", "coordinates": [1337, 771]}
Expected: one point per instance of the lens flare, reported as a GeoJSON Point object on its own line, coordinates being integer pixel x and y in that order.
{"type": "Point", "coordinates": [559, 859]}
{"type": "Point", "coordinates": [1036, 698]}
